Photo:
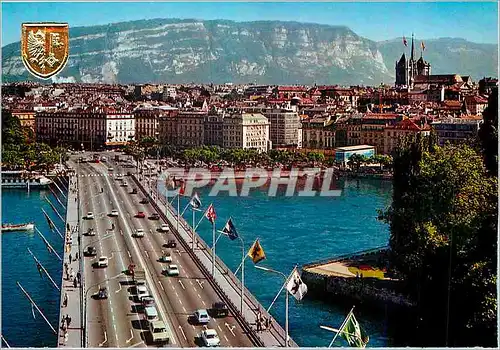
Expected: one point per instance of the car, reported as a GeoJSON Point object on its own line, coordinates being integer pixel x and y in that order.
{"type": "Point", "coordinates": [165, 258]}
{"type": "Point", "coordinates": [102, 294]}
{"type": "Point", "coordinates": [102, 262]}
{"type": "Point", "coordinates": [139, 232]}
{"type": "Point", "coordinates": [172, 270]}
{"type": "Point", "coordinates": [164, 228]}
{"type": "Point", "coordinates": [140, 282]}
{"type": "Point", "coordinates": [110, 169]}
{"type": "Point", "coordinates": [90, 232]}
{"type": "Point", "coordinates": [154, 216]}
{"type": "Point", "coordinates": [201, 316]}
{"type": "Point", "coordinates": [140, 214]}
{"type": "Point", "coordinates": [134, 191]}
{"type": "Point", "coordinates": [142, 291]}
{"type": "Point", "coordinates": [90, 216]}
{"type": "Point", "coordinates": [124, 184]}
{"type": "Point", "coordinates": [170, 244]}
{"type": "Point", "coordinates": [118, 177]}
{"type": "Point", "coordinates": [210, 338]}
{"type": "Point", "coordinates": [144, 201]}
{"type": "Point", "coordinates": [114, 212]}
{"type": "Point", "coordinates": [158, 332]}
{"type": "Point", "coordinates": [103, 159]}
{"type": "Point", "coordinates": [91, 251]}
{"type": "Point", "coordinates": [147, 300]}
{"type": "Point", "coordinates": [219, 309]}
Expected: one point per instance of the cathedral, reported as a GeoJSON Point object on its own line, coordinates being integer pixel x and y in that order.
{"type": "Point", "coordinates": [408, 69]}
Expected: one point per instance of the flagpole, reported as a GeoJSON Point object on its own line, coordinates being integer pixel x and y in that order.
{"type": "Point", "coordinates": [341, 327]}
{"type": "Point", "coordinates": [192, 209]}
{"type": "Point", "coordinates": [48, 244]}
{"type": "Point", "coordinates": [44, 270]}
{"type": "Point", "coordinates": [53, 224]}
{"type": "Point", "coordinates": [213, 249]}
{"type": "Point", "coordinates": [242, 274]}
{"type": "Point", "coordinates": [36, 306]}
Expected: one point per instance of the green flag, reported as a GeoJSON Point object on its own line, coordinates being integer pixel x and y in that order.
{"type": "Point", "coordinates": [354, 334]}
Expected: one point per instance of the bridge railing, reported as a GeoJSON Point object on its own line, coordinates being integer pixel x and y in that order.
{"type": "Point", "coordinates": [256, 340]}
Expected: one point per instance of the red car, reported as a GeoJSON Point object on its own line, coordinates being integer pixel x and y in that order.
{"type": "Point", "coordinates": [140, 214]}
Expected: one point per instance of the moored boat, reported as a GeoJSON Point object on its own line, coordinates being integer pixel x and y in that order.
{"type": "Point", "coordinates": [15, 179]}
{"type": "Point", "coordinates": [19, 227]}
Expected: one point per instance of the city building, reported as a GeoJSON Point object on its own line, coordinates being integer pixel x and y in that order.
{"type": "Point", "coordinates": [456, 130]}
{"type": "Point", "coordinates": [246, 130]}
{"type": "Point", "coordinates": [318, 133]}
{"type": "Point", "coordinates": [213, 128]}
{"type": "Point", "coordinates": [190, 128]}
{"type": "Point", "coordinates": [120, 128]}
{"type": "Point", "coordinates": [372, 128]}
{"type": "Point", "coordinates": [393, 134]}
{"type": "Point", "coordinates": [342, 154]}
{"type": "Point", "coordinates": [26, 117]}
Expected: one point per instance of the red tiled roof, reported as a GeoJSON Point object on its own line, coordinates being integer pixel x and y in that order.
{"type": "Point", "coordinates": [406, 124]}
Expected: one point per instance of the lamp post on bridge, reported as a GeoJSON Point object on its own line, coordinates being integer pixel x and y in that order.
{"type": "Point", "coordinates": [286, 298]}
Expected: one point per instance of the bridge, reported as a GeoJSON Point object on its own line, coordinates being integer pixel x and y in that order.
{"type": "Point", "coordinates": [119, 319]}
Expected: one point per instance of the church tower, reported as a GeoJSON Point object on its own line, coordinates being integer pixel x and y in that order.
{"type": "Point", "coordinates": [408, 69]}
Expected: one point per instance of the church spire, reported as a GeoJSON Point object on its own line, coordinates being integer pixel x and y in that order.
{"type": "Point", "coordinates": [412, 48]}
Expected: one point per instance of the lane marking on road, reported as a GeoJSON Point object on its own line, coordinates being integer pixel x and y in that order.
{"type": "Point", "coordinates": [180, 327]}
{"type": "Point", "coordinates": [161, 286]}
{"type": "Point", "coordinates": [200, 283]}
{"type": "Point", "coordinates": [121, 232]}
{"type": "Point", "coordinates": [199, 296]}
{"type": "Point", "coordinates": [182, 285]}
{"type": "Point", "coordinates": [146, 253]}
{"type": "Point", "coordinates": [230, 328]}
{"type": "Point", "coordinates": [105, 339]}
{"type": "Point", "coordinates": [111, 257]}
{"type": "Point", "coordinates": [129, 255]}
{"type": "Point", "coordinates": [194, 288]}
{"type": "Point", "coordinates": [193, 327]}
{"type": "Point", "coordinates": [133, 346]}
{"type": "Point", "coordinates": [203, 302]}
{"type": "Point", "coordinates": [120, 287]}
{"type": "Point", "coordinates": [226, 338]}
{"type": "Point", "coordinates": [180, 301]}
{"type": "Point", "coordinates": [220, 329]}
{"type": "Point", "coordinates": [131, 337]}
{"type": "Point", "coordinates": [191, 282]}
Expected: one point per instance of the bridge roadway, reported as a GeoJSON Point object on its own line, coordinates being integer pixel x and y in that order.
{"type": "Point", "coordinates": [118, 320]}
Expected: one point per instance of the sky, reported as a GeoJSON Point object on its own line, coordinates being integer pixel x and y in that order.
{"type": "Point", "coordinates": [473, 21]}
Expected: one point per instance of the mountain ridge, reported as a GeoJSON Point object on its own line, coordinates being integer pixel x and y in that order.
{"type": "Point", "coordinates": [218, 51]}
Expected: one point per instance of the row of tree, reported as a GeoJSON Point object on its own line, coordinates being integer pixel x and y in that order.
{"type": "Point", "coordinates": [21, 152]}
{"type": "Point", "coordinates": [443, 235]}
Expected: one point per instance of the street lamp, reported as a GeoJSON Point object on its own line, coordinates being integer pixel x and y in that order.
{"type": "Point", "coordinates": [85, 302]}
{"type": "Point", "coordinates": [286, 297]}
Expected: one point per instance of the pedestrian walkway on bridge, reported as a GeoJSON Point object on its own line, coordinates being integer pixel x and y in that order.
{"type": "Point", "coordinates": [70, 317]}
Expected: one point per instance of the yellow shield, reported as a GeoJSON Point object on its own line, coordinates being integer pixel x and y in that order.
{"type": "Point", "coordinates": [45, 48]}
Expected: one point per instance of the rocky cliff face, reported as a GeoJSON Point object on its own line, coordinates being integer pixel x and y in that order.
{"type": "Point", "coordinates": [181, 51]}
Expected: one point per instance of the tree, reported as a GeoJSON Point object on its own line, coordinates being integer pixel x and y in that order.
{"type": "Point", "coordinates": [488, 133]}
{"type": "Point", "coordinates": [444, 210]}
{"type": "Point", "coordinates": [356, 160]}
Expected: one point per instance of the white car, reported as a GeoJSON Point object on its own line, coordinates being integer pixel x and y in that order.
{"type": "Point", "coordinates": [90, 215]}
{"type": "Point", "coordinates": [114, 212]}
{"type": "Point", "coordinates": [158, 332]}
{"type": "Point", "coordinates": [118, 178]}
{"type": "Point", "coordinates": [124, 184]}
{"type": "Point", "coordinates": [142, 291]}
{"type": "Point", "coordinates": [164, 228]}
{"type": "Point", "coordinates": [210, 338]}
{"type": "Point", "coordinates": [91, 232]}
{"type": "Point", "coordinates": [103, 261]}
{"type": "Point", "coordinates": [139, 232]}
{"type": "Point", "coordinates": [172, 270]}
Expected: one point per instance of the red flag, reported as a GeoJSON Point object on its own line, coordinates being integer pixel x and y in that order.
{"type": "Point", "coordinates": [405, 42]}
{"type": "Point", "coordinates": [210, 214]}
{"type": "Point", "coordinates": [183, 188]}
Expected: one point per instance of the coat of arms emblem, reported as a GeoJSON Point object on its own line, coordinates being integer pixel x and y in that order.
{"type": "Point", "coordinates": [45, 48]}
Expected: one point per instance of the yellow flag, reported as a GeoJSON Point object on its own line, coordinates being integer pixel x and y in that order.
{"type": "Point", "coordinates": [256, 253]}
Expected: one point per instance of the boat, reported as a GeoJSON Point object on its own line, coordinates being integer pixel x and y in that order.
{"type": "Point", "coordinates": [19, 227]}
{"type": "Point", "coordinates": [16, 179]}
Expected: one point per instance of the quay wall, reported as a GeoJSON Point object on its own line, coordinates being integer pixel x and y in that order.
{"type": "Point", "coordinates": [372, 293]}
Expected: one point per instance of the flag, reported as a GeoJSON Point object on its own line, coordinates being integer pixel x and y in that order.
{"type": "Point", "coordinates": [195, 201]}
{"type": "Point", "coordinates": [39, 267]}
{"type": "Point", "coordinates": [422, 45]}
{"type": "Point", "coordinates": [182, 189]}
{"type": "Point", "coordinates": [256, 252]}
{"type": "Point", "coordinates": [405, 42]}
{"type": "Point", "coordinates": [169, 182]}
{"type": "Point", "coordinates": [51, 224]}
{"type": "Point", "coordinates": [229, 230]}
{"type": "Point", "coordinates": [295, 286]}
{"type": "Point", "coordinates": [353, 333]}
{"type": "Point", "coordinates": [210, 214]}
{"type": "Point", "coordinates": [33, 311]}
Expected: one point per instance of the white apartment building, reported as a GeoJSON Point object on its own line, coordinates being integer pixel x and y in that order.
{"type": "Point", "coordinates": [120, 128]}
{"type": "Point", "coordinates": [246, 130]}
